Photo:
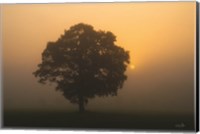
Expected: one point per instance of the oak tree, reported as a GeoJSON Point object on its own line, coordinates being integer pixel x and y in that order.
{"type": "Point", "coordinates": [84, 63]}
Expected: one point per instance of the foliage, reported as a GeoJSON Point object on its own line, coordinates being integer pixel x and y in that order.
{"type": "Point", "coordinates": [84, 63]}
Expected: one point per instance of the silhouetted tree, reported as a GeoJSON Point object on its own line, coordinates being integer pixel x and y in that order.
{"type": "Point", "coordinates": [84, 63]}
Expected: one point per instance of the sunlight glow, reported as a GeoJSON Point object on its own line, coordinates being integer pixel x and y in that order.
{"type": "Point", "coordinates": [132, 66]}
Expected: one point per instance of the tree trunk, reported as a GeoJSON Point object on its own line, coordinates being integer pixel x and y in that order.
{"type": "Point", "coordinates": [81, 104]}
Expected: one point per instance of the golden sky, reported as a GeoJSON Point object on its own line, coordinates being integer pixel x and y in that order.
{"type": "Point", "coordinates": [159, 35]}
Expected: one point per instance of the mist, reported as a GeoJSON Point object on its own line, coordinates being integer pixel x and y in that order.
{"type": "Point", "coordinates": [162, 50]}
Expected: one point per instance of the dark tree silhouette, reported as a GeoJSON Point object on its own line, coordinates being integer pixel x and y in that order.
{"type": "Point", "coordinates": [84, 63]}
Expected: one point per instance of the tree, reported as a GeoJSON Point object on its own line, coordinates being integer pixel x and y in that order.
{"type": "Point", "coordinates": [84, 63]}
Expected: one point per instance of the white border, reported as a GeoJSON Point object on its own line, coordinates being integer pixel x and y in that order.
{"type": "Point", "coordinates": [53, 131]}
{"type": "Point", "coordinates": [1, 67]}
{"type": "Point", "coordinates": [199, 69]}
{"type": "Point", "coordinates": [78, 1]}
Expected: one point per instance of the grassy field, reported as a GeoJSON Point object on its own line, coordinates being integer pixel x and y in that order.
{"type": "Point", "coordinates": [100, 121]}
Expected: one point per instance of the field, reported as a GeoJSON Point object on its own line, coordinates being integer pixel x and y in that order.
{"type": "Point", "coordinates": [95, 120]}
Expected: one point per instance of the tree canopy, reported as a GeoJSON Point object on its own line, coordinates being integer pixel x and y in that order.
{"type": "Point", "coordinates": [84, 63]}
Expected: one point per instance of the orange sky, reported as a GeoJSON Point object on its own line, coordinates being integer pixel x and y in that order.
{"type": "Point", "coordinates": [159, 35]}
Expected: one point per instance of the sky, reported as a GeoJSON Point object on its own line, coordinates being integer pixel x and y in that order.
{"type": "Point", "coordinates": [159, 35]}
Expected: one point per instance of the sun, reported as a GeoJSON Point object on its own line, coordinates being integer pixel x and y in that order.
{"type": "Point", "coordinates": [132, 66]}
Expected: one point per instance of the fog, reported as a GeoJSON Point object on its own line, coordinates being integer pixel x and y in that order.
{"type": "Point", "coordinates": [159, 36]}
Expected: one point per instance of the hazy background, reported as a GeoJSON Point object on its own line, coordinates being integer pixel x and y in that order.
{"type": "Point", "coordinates": [159, 36]}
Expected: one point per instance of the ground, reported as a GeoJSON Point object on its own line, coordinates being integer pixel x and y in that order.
{"type": "Point", "coordinates": [98, 120]}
